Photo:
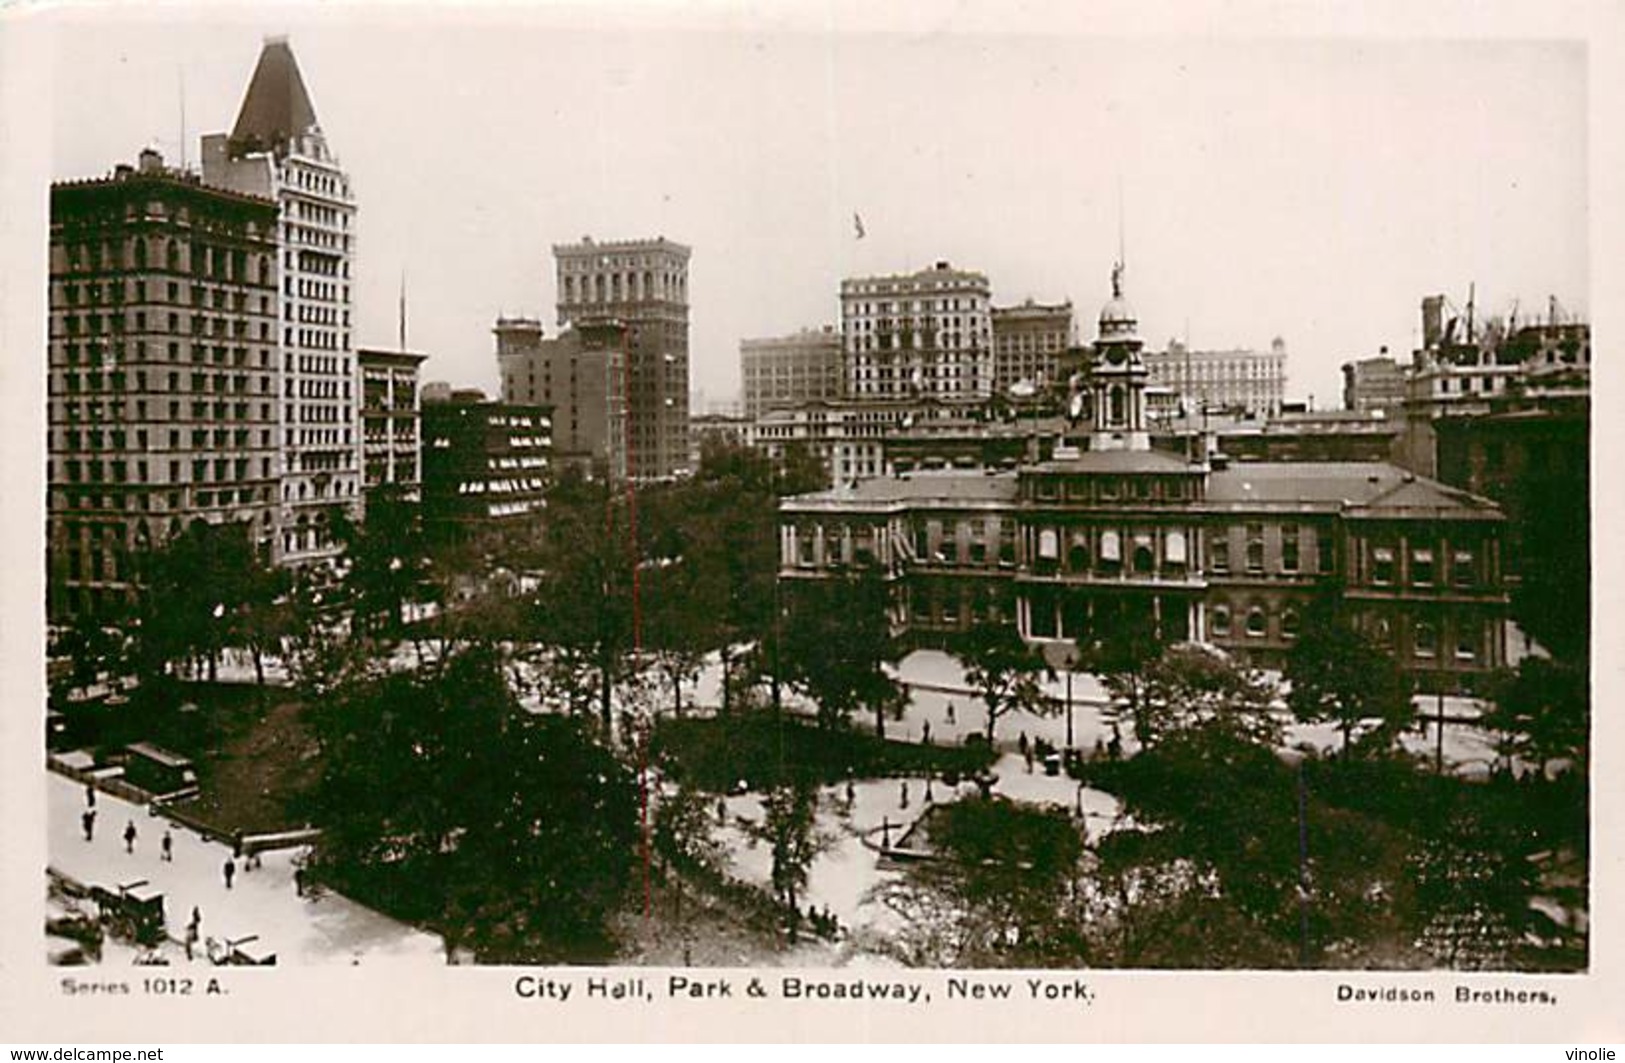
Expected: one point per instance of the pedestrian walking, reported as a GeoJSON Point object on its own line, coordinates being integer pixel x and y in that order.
{"type": "Point", "coordinates": [1026, 750]}
{"type": "Point", "coordinates": [90, 795]}
{"type": "Point", "coordinates": [190, 939]}
{"type": "Point", "coordinates": [88, 821]}
{"type": "Point", "coordinates": [129, 836]}
{"type": "Point", "coordinates": [950, 712]}
{"type": "Point", "coordinates": [851, 792]}
{"type": "Point", "coordinates": [925, 734]}
{"type": "Point", "coordinates": [197, 918]}
{"type": "Point", "coordinates": [298, 882]}
{"type": "Point", "coordinates": [168, 847]}
{"type": "Point", "coordinates": [229, 869]}
{"type": "Point", "coordinates": [902, 797]}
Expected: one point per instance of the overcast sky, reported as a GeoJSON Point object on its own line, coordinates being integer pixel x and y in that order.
{"type": "Point", "coordinates": [1314, 190]}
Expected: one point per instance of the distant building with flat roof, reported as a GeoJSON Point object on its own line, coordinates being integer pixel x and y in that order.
{"type": "Point", "coordinates": [782, 371]}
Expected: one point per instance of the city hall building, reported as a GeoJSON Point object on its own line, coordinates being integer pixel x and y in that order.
{"type": "Point", "coordinates": [1226, 554]}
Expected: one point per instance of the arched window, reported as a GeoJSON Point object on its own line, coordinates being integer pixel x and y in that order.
{"type": "Point", "coordinates": [1289, 624]}
{"type": "Point", "coordinates": [1048, 545]}
{"type": "Point", "coordinates": [1220, 622]}
{"type": "Point", "coordinates": [1144, 560]}
{"type": "Point", "coordinates": [1111, 547]}
{"type": "Point", "coordinates": [1077, 556]}
{"type": "Point", "coordinates": [1257, 625]}
{"type": "Point", "coordinates": [1173, 548]}
{"type": "Point", "coordinates": [1117, 406]}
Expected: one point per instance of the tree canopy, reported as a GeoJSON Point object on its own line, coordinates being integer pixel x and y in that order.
{"type": "Point", "coordinates": [1340, 674]}
{"type": "Point", "coordinates": [440, 800]}
{"type": "Point", "coordinates": [1004, 672]}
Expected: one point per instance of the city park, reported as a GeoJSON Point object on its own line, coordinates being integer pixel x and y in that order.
{"type": "Point", "coordinates": [614, 737]}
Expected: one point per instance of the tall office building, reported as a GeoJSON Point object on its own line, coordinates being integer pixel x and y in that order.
{"type": "Point", "coordinates": [642, 285]}
{"type": "Point", "coordinates": [164, 373]}
{"type": "Point", "coordinates": [277, 150]}
{"type": "Point", "coordinates": [918, 334]}
{"type": "Point", "coordinates": [1030, 342]}
{"type": "Point", "coordinates": [581, 376]}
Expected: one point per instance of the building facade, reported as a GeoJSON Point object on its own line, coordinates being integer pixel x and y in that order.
{"type": "Point", "coordinates": [1373, 384]}
{"type": "Point", "coordinates": [918, 335]}
{"type": "Point", "coordinates": [1464, 370]}
{"type": "Point", "coordinates": [277, 150]}
{"type": "Point", "coordinates": [850, 437]}
{"type": "Point", "coordinates": [1244, 381]}
{"type": "Point", "coordinates": [391, 437]}
{"type": "Point", "coordinates": [581, 376]}
{"type": "Point", "coordinates": [164, 375]}
{"type": "Point", "coordinates": [791, 370]}
{"type": "Point", "coordinates": [1229, 555]}
{"type": "Point", "coordinates": [1030, 342]}
{"type": "Point", "coordinates": [484, 463]}
{"type": "Point", "coordinates": [643, 286]}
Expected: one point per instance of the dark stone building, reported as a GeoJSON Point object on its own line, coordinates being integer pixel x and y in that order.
{"type": "Point", "coordinates": [164, 373]}
{"type": "Point", "coordinates": [483, 463]}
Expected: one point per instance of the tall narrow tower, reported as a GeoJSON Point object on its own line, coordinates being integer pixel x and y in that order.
{"type": "Point", "coordinates": [1119, 376]}
{"type": "Point", "coordinates": [277, 150]}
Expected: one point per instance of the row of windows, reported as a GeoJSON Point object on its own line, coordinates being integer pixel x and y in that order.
{"type": "Point", "coordinates": [1425, 568]}
{"type": "Point", "coordinates": [203, 260]}
{"type": "Point", "coordinates": [137, 321]}
{"type": "Point", "coordinates": [201, 437]}
{"type": "Point", "coordinates": [97, 412]}
{"type": "Point", "coordinates": [629, 287]}
{"type": "Point", "coordinates": [139, 472]}
{"type": "Point", "coordinates": [1109, 488]}
{"type": "Point", "coordinates": [873, 308]}
{"type": "Point", "coordinates": [198, 295]}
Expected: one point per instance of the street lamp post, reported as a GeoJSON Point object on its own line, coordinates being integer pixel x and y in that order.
{"type": "Point", "coordinates": [1071, 659]}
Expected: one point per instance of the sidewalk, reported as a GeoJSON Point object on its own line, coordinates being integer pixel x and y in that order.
{"type": "Point", "coordinates": [261, 902]}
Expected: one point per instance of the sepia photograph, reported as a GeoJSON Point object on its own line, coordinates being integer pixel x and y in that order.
{"type": "Point", "coordinates": [682, 491]}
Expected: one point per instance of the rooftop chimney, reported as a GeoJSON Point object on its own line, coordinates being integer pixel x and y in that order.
{"type": "Point", "coordinates": [151, 160]}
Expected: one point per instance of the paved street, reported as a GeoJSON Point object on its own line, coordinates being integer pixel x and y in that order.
{"type": "Point", "coordinates": [263, 902]}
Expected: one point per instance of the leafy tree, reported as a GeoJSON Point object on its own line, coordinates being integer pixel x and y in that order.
{"type": "Point", "coordinates": [1192, 687]}
{"type": "Point", "coordinates": [584, 606]}
{"type": "Point", "coordinates": [387, 557]}
{"type": "Point", "coordinates": [1543, 712]}
{"type": "Point", "coordinates": [192, 588]}
{"type": "Point", "coordinates": [440, 800]}
{"type": "Point", "coordinates": [1338, 673]}
{"type": "Point", "coordinates": [1120, 651]}
{"type": "Point", "coordinates": [999, 876]}
{"type": "Point", "coordinates": [1004, 672]}
{"type": "Point", "coordinates": [837, 643]}
{"type": "Point", "coordinates": [1551, 531]}
{"type": "Point", "coordinates": [678, 621]}
{"type": "Point", "coordinates": [789, 829]}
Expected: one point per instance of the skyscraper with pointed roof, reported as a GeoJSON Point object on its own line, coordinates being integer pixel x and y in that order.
{"type": "Point", "coordinates": [277, 149]}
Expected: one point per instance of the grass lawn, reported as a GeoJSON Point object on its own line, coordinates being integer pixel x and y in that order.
{"type": "Point", "coordinates": [763, 749]}
{"type": "Point", "coordinates": [257, 754]}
